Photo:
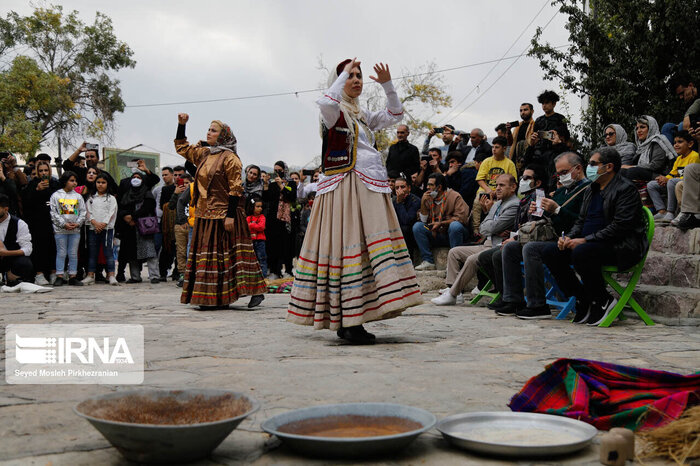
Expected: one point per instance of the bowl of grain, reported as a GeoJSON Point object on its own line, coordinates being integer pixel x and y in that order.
{"type": "Point", "coordinates": [167, 426]}
{"type": "Point", "coordinates": [350, 430]}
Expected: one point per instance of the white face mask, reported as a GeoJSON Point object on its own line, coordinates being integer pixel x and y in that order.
{"type": "Point", "coordinates": [525, 186]}
{"type": "Point", "coordinates": [136, 182]}
{"type": "Point", "coordinates": [433, 194]}
{"type": "Point", "coordinates": [566, 180]}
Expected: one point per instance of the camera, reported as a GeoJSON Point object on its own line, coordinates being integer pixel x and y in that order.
{"type": "Point", "coordinates": [546, 135]}
{"type": "Point", "coordinates": [94, 147]}
{"type": "Point", "coordinates": [306, 172]}
{"type": "Point", "coordinates": [439, 130]}
{"type": "Point", "coordinates": [513, 124]}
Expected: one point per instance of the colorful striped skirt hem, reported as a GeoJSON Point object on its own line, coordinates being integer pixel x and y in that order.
{"type": "Point", "coordinates": [354, 266]}
{"type": "Point", "coordinates": [221, 265]}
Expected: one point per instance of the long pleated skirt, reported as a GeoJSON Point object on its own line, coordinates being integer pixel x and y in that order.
{"type": "Point", "coordinates": [221, 266]}
{"type": "Point", "coordinates": [354, 266]}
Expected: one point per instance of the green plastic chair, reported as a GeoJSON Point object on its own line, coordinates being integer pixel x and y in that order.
{"type": "Point", "coordinates": [494, 295]}
{"type": "Point", "coordinates": [625, 292]}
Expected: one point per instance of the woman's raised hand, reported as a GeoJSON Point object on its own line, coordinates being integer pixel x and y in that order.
{"type": "Point", "coordinates": [182, 118]}
{"type": "Point", "coordinates": [383, 74]}
{"type": "Point", "coordinates": [352, 64]}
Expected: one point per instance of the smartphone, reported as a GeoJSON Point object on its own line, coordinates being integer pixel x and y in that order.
{"type": "Point", "coordinates": [439, 130]}
{"type": "Point", "coordinates": [132, 165]}
{"type": "Point", "coordinates": [307, 172]}
{"type": "Point", "coordinates": [94, 147]}
{"type": "Point", "coordinates": [44, 177]}
{"type": "Point", "coordinates": [180, 182]}
{"type": "Point", "coordinates": [546, 135]}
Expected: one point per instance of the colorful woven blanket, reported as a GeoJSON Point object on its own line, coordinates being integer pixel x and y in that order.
{"type": "Point", "coordinates": [608, 395]}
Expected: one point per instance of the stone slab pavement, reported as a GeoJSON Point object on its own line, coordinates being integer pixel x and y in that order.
{"type": "Point", "coordinates": [446, 360]}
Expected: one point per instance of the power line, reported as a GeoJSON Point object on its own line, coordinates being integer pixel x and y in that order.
{"type": "Point", "coordinates": [306, 91]}
{"type": "Point", "coordinates": [505, 71]}
{"type": "Point", "coordinates": [497, 62]}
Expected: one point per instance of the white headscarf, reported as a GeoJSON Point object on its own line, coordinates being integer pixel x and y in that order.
{"type": "Point", "coordinates": [350, 108]}
{"type": "Point", "coordinates": [644, 147]}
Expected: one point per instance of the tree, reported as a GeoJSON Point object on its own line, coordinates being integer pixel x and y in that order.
{"type": "Point", "coordinates": [421, 91]}
{"type": "Point", "coordinates": [75, 60]}
{"type": "Point", "coordinates": [622, 55]}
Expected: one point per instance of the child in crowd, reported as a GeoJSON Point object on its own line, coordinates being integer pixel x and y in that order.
{"type": "Point", "coordinates": [101, 217]}
{"type": "Point", "coordinates": [184, 220]}
{"type": "Point", "coordinates": [256, 224]}
{"type": "Point", "coordinates": [68, 213]}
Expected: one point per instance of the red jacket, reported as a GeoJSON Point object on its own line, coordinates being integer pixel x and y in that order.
{"type": "Point", "coordinates": [256, 224]}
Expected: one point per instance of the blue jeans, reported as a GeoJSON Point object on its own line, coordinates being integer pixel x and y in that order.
{"type": "Point", "coordinates": [456, 232]}
{"type": "Point", "coordinates": [106, 238]}
{"type": "Point", "coordinates": [669, 130]}
{"type": "Point", "coordinates": [259, 246]}
{"type": "Point", "coordinates": [67, 245]}
{"type": "Point", "coordinates": [531, 256]}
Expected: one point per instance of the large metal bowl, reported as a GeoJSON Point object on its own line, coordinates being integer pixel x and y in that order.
{"type": "Point", "coordinates": [349, 447]}
{"type": "Point", "coordinates": [156, 443]}
{"type": "Point", "coordinates": [541, 434]}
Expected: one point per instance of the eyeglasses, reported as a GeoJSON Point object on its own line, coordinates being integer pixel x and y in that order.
{"type": "Point", "coordinates": [609, 134]}
{"type": "Point", "coordinates": [593, 163]}
{"type": "Point", "coordinates": [402, 132]}
{"type": "Point", "coordinates": [565, 172]}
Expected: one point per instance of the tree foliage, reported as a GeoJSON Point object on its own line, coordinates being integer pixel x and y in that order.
{"type": "Point", "coordinates": [622, 54]}
{"type": "Point", "coordinates": [66, 66]}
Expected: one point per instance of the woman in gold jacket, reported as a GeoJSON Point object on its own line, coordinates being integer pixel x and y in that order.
{"type": "Point", "coordinates": [222, 264]}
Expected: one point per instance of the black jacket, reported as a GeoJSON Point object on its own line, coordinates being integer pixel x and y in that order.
{"type": "Point", "coordinates": [626, 226]}
{"type": "Point", "coordinates": [403, 158]}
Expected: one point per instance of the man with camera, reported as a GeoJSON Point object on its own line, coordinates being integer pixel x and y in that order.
{"type": "Point", "coordinates": [447, 134]}
{"type": "Point", "coordinates": [92, 158]}
{"type": "Point", "coordinates": [403, 156]}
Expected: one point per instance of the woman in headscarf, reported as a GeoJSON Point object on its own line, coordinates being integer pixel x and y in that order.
{"type": "Point", "coordinates": [138, 202]}
{"type": "Point", "coordinates": [253, 185]}
{"type": "Point", "coordinates": [38, 216]}
{"type": "Point", "coordinates": [654, 154]}
{"type": "Point", "coordinates": [222, 265]}
{"type": "Point", "coordinates": [354, 266]}
{"type": "Point", "coordinates": [615, 136]}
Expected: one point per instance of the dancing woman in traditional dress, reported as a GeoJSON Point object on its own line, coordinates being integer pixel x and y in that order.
{"type": "Point", "coordinates": [354, 266]}
{"type": "Point", "coordinates": [222, 264]}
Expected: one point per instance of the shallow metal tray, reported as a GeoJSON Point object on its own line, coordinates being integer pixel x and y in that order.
{"type": "Point", "coordinates": [349, 447]}
{"type": "Point", "coordinates": [457, 429]}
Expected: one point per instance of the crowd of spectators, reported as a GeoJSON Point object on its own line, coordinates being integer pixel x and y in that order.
{"type": "Point", "coordinates": [524, 197]}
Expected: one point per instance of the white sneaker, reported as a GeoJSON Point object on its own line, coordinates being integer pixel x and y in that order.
{"type": "Point", "coordinates": [445, 299]}
{"type": "Point", "coordinates": [286, 275]}
{"type": "Point", "coordinates": [425, 265]}
{"type": "Point", "coordinates": [273, 276]}
{"type": "Point", "coordinates": [476, 291]}
{"type": "Point", "coordinates": [443, 290]}
{"type": "Point", "coordinates": [668, 217]}
{"type": "Point", "coordinates": [459, 299]}
{"type": "Point", "coordinates": [41, 280]}
{"type": "Point", "coordinates": [27, 288]}
{"type": "Point", "coordinates": [11, 289]}
{"type": "Point", "coordinates": [52, 279]}
{"type": "Point", "coordinates": [113, 281]}
{"type": "Point", "coordinates": [88, 280]}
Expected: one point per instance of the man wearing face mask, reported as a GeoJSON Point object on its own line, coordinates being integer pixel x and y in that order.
{"type": "Point", "coordinates": [534, 177]}
{"type": "Point", "coordinates": [563, 210]}
{"type": "Point", "coordinates": [610, 230]}
{"type": "Point", "coordinates": [443, 216]}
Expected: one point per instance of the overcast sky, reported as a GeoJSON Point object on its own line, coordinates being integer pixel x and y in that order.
{"type": "Point", "coordinates": [188, 51]}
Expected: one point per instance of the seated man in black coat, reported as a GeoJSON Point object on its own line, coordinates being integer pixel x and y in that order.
{"type": "Point", "coordinates": [610, 230]}
{"type": "Point", "coordinates": [15, 246]}
{"type": "Point", "coordinates": [406, 206]}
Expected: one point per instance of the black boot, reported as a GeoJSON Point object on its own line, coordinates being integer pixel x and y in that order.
{"type": "Point", "coordinates": [356, 335]}
{"type": "Point", "coordinates": [255, 300]}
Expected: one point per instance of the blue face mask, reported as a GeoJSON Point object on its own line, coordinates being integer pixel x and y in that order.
{"type": "Point", "coordinates": [592, 173]}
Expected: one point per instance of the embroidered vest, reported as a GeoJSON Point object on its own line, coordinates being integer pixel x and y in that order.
{"type": "Point", "coordinates": [339, 152]}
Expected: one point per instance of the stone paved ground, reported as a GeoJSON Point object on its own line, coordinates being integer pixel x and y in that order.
{"type": "Point", "coordinates": [446, 360]}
